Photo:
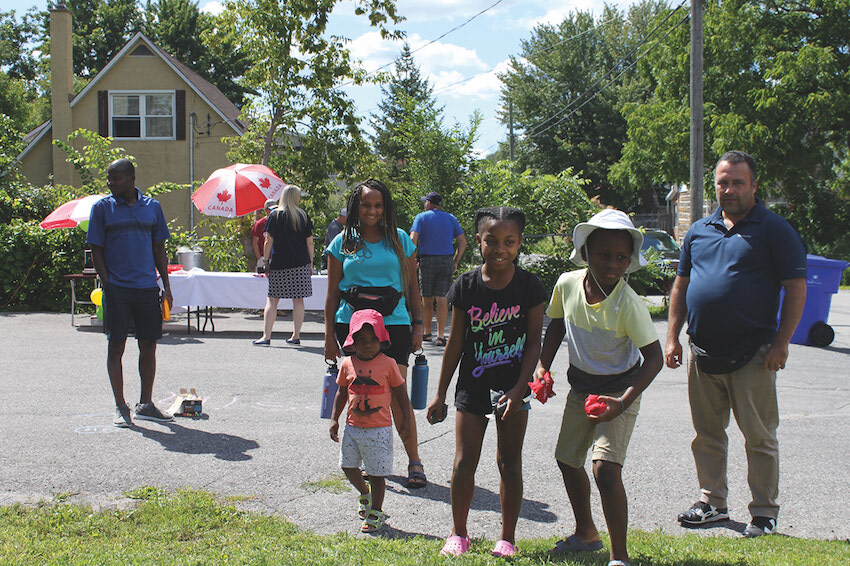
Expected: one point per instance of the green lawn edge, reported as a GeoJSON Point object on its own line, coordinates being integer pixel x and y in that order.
{"type": "Point", "coordinates": [197, 527]}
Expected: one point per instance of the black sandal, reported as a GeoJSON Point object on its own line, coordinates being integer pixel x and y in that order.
{"type": "Point", "coordinates": [416, 479]}
{"type": "Point", "coordinates": [426, 337]}
{"type": "Point", "coordinates": [440, 342]}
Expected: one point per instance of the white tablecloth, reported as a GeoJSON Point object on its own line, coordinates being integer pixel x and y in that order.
{"type": "Point", "coordinates": [197, 288]}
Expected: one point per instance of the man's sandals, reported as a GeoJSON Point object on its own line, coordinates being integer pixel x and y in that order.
{"type": "Point", "coordinates": [415, 478]}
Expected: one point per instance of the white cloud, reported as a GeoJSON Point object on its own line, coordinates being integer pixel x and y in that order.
{"type": "Point", "coordinates": [213, 7]}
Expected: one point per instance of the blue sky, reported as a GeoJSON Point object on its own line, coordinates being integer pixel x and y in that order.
{"type": "Point", "coordinates": [479, 49]}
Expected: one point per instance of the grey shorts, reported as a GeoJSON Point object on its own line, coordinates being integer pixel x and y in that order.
{"type": "Point", "coordinates": [435, 274]}
{"type": "Point", "coordinates": [373, 447]}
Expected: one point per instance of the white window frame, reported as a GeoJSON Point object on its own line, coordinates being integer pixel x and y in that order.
{"type": "Point", "coordinates": [142, 113]}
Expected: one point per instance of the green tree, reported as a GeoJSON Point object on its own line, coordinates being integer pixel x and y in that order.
{"type": "Point", "coordinates": [20, 97]}
{"type": "Point", "coordinates": [178, 26]}
{"type": "Point", "coordinates": [777, 85]}
{"type": "Point", "coordinates": [404, 87]}
{"type": "Point", "coordinates": [567, 86]}
{"type": "Point", "coordinates": [303, 125]}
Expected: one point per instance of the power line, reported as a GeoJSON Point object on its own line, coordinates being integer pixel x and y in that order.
{"type": "Point", "coordinates": [435, 40]}
{"type": "Point", "coordinates": [534, 130]}
{"type": "Point", "coordinates": [609, 83]}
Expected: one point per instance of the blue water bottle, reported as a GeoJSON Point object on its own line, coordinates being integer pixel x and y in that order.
{"type": "Point", "coordinates": [329, 390]}
{"type": "Point", "coordinates": [419, 383]}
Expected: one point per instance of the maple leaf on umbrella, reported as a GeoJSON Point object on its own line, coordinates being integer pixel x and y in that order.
{"type": "Point", "coordinates": [223, 196]}
{"type": "Point", "coordinates": [265, 182]}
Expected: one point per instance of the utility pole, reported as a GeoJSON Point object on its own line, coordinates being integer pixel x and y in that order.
{"type": "Point", "coordinates": [511, 126]}
{"type": "Point", "coordinates": [697, 121]}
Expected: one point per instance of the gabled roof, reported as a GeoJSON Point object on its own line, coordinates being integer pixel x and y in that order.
{"type": "Point", "coordinates": [223, 106]}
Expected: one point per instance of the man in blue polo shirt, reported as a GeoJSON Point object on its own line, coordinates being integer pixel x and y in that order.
{"type": "Point", "coordinates": [732, 267]}
{"type": "Point", "coordinates": [127, 233]}
{"type": "Point", "coordinates": [434, 232]}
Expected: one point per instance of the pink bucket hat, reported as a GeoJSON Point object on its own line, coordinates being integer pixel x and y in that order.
{"type": "Point", "coordinates": [370, 317]}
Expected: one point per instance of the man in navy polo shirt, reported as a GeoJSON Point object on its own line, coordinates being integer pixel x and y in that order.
{"type": "Point", "coordinates": [127, 233]}
{"type": "Point", "coordinates": [434, 232]}
{"type": "Point", "coordinates": [732, 267]}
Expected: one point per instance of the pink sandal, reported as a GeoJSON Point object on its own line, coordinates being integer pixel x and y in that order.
{"type": "Point", "coordinates": [455, 546]}
{"type": "Point", "coordinates": [504, 549]}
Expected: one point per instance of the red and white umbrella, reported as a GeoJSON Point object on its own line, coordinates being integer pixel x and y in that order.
{"type": "Point", "coordinates": [237, 190]}
{"type": "Point", "coordinates": [71, 214]}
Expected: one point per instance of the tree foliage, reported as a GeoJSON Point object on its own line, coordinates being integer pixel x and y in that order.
{"type": "Point", "coordinates": [19, 89]}
{"type": "Point", "coordinates": [406, 87]}
{"type": "Point", "coordinates": [303, 125]}
{"type": "Point", "coordinates": [567, 86]}
{"type": "Point", "coordinates": [178, 26]}
{"type": "Point", "coordinates": [777, 85]}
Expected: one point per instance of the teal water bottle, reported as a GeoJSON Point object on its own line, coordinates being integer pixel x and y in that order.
{"type": "Point", "coordinates": [329, 390]}
{"type": "Point", "coordinates": [419, 383]}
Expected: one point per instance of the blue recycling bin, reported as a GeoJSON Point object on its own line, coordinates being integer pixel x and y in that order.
{"type": "Point", "coordinates": [822, 280]}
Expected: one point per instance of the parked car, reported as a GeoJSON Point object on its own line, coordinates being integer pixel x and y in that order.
{"type": "Point", "coordinates": [665, 245]}
{"type": "Point", "coordinates": [667, 253]}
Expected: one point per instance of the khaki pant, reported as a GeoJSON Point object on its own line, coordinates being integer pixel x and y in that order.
{"type": "Point", "coordinates": [750, 393]}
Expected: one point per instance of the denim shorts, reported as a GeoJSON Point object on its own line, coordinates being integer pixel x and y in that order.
{"type": "Point", "coordinates": [123, 304]}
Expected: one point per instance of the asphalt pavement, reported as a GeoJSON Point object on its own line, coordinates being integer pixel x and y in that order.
{"type": "Point", "coordinates": [262, 438]}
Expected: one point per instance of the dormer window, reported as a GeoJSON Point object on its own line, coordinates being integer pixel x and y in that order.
{"type": "Point", "coordinates": [141, 115]}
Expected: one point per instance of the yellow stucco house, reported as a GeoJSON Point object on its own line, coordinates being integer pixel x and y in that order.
{"type": "Point", "coordinates": [164, 114]}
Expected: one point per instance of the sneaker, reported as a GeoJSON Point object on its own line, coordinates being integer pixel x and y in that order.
{"type": "Point", "coordinates": [760, 526]}
{"type": "Point", "coordinates": [701, 513]}
{"type": "Point", "coordinates": [149, 412]}
{"type": "Point", "coordinates": [122, 416]}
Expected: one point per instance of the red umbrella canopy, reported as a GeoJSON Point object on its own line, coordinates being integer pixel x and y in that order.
{"type": "Point", "coordinates": [71, 214]}
{"type": "Point", "coordinates": [237, 190]}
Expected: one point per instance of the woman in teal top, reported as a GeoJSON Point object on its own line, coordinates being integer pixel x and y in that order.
{"type": "Point", "coordinates": [373, 252]}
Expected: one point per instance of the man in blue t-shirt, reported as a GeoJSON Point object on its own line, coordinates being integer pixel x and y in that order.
{"type": "Point", "coordinates": [434, 232]}
{"type": "Point", "coordinates": [732, 267]}
{"type": "Point", "coordinates": [127, 233]}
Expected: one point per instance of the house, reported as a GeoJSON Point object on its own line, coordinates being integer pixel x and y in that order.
{"type": "Point", "coordinates": [164, 114]}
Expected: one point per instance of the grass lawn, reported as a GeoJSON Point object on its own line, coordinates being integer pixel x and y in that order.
{"type": "Point", "coordinates": [192, 527]}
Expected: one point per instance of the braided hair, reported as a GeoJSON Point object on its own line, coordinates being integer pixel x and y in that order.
{"type": "Point", "coordinates": [499, 213]}
{"type": "Point", "coordinates": [351, 240]}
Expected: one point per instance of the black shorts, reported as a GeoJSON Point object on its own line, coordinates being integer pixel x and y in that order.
{"type": "Point", "coordinates": [400, 341]}
{"type": "Point", "coordinates": [435, 274]}
{"type": "Point", "coordinates": [121, 304]}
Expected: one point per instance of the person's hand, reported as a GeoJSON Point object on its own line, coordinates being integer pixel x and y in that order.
{"type": "Point", "coordinates": [331, 348]}
{"type": "Point", "coordinates": [415, 341]}
{"type": "Point", "coordinates": [513, 400]}
{"type": "Point", "coordinates": [435, 409]}
{"type": "Point", "coordinates": [166, 296]}
{"type": "Point", "coordinates": [614, 409]}
{"type": "Point", "coordinates": [776, 357]}
{"type": "Point", "coordinates": [673, 353]}
{"type": "Point", "coordinates": [335, 431]}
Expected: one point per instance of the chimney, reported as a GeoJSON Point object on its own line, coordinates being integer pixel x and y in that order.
{"type": "Point", "coordinates": [61, 87]}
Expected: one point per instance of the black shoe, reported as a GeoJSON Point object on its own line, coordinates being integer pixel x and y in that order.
{"type": "Point", "coordinates": [760, 526]}
{"type": "Point", "coordinates": [701, 513]}
{"type": "Point", "coordinates": [149, 412]}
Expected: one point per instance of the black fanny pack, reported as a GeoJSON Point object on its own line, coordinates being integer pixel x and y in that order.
{"type": "Point", "coordinates": [725, 363]}
{"type": "Point", "coordinates": [382, 299]}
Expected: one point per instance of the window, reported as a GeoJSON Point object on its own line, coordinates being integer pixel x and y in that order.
{"type": "Point", "coordinates": [142, 115]}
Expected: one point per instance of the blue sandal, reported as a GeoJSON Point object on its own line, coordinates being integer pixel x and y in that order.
{"type": "Point", "coordinates": [415, 478]}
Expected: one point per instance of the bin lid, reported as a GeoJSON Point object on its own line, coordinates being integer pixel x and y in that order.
{"type": "Point", "coordinates": [820, 261]}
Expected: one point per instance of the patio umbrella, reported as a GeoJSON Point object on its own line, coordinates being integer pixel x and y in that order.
{"type": "Point", "coordinates": [237, 190]}
{"type": "Point", "coordinates": [71, 214]}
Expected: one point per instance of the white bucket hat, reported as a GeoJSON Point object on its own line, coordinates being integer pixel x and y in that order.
{"type": "Point", "coordinates": [608, 219]}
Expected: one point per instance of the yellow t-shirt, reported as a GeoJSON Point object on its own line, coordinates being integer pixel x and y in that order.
{"type": "Point", "coordinates": [603, 338]}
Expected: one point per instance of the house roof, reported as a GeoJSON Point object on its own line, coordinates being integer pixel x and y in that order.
{"type": "Point", "coordinates": [223, 106]}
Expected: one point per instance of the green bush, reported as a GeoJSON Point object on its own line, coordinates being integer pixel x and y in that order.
{"type": "Point", "coordinates": [33, 265]}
